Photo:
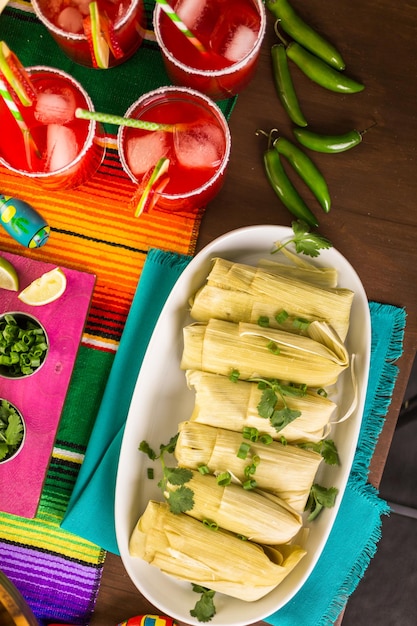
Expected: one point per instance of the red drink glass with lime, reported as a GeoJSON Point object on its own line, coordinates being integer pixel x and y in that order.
{"type": "Point", "coordinates": [231, 32]}
{"type": "Point", "coordinates": [197, 147]}
{"type": "Point", "coordinates": [125, 24]}
{"type": "Point", "coordinates": [68, 150]}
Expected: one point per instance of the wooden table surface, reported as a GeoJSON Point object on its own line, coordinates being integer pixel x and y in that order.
{"type": "Point", "coordinates": [373, 220]}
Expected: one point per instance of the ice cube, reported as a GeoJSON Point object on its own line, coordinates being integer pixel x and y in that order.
{"type": "Point", "coordinates": [70, 20]}
{"type": "Point", "coordinates": [240, 44]}
{"type": "Point", "coordinates": [55, 108]}
{"type": "Point", "coordinates": [61, 147]}
{"type": "Point", "coordinates": [199, 147]}
{"type": "Point", "coordinates": [144, 152]}
{"type": "Point", "coordinates": [191, 11]}
{"type": "Point", "coordinates": [82, 6]}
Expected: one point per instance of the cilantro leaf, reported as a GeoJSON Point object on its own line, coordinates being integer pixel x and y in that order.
{"type": "Point", "coordinates": [267, 403]}
{"type": "Point", "coordinates": [180, 500]}
{"type": "Point", "coordinates": [272, 389]}
{"type": "Point", "coordinates": [327, 449]}
{"type": "Point", "coordinates": [146, 449]}
{"type": "Point", "coordinates": [11, 430]}
{"type": "Point", "coordinates": [305, 242]}
{"type": "Point", "coordinates": [281, 418]}
{"type": "Point", "coordinates": [178, 475]}
{"type": "Point", "coordinates": [14, 430]}
{"type": "Point", "coordinates": [204, 609]}
{"type": "Point", "coordinates": [319, 498]}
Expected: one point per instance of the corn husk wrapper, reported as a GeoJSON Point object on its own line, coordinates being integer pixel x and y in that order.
{"type": "Point", "coordinates": [237, 292]}
{"type": "Point", "coordinates": [284, 470]}
{"type": "Point", "coordinates": [222, 403]}
{"type": "Point", "coordinates": [301, 269]}
{"type": "Point", "coordinates": [256, 515]}
{"type": "Point", "coordinates": [184, 548]}
{"type": "Point", "coordinates": [220, 347]}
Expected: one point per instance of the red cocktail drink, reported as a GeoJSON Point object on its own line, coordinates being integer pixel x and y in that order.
{"type": "Point", "coordinates": [231, 32]}
{"type": "Point", "coordinates": [69, 150]}
{"type": "Point", "coordinates": [198, 146]}
{"type": "Point", "coordinates": [65, 22]}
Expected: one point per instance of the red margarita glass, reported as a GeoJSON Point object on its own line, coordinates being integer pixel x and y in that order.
{"type": "Point", "coordinates": [68, 150]}
{"type": "Point", "coordinates": [231, 32]}
{"type": "Point", "coordinates": [198, 151]}
{"type": "Point", "coordinates": [64, 22]}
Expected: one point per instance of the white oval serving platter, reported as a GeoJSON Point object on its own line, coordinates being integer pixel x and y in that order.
{"type": "Point", "coordinates": [161, 400]}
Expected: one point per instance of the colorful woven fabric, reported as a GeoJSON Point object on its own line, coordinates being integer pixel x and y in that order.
{"type": "Point", "coordinates": [93, 230]}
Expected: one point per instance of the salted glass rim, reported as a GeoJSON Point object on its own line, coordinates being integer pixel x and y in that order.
{"type": "Point", "coordinates": [219, 117]}
{"type": "Point", "coordinates": [79, 36]}
{"type": "Point", "coordinates": [230, 69]}
{"type": "Point", "coordinates": [89, 140]}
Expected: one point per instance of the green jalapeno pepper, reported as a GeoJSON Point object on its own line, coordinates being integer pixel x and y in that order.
{"type": "Point", "coordinates": [328, 143]}
{"type": "Point", "coordinates": [284, 188]}
{"type": "Point", "coordinates": [284, 85]}
{"type": "Point", "coordinates": [320, 72]}
{"type": "Point", "coordinates": [306, 169]}
{"type": "Point", "coordinates": [300, 31]}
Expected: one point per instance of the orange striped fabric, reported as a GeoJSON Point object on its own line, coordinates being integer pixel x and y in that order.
{"type": "Point", "coordinates": [93, 229]}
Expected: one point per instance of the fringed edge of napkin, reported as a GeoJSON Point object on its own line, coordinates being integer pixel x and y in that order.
{"type": "Point", "coordinates": [355, 575]}
{"type": "Point", "coordinates": [377, 407]}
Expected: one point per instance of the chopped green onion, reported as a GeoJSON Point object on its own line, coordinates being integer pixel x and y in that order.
{"type": "Point", "coordinates": [322, 392]}
{"type": "Point", "coordinates": [243, 450]}
{"type": "Point", "coordinates": [263, 320]}
{"type": "Point", "coordinates": [224, 479]}
{"type": "Point", "coordinates": [251, 433]}
{"type": "Point", "coordinates": [210, 524]}
{"type": "Point", "coordinates": [301, 323]}
{"type": "Point", "coordinates": [250, 484]}
{"type": "Point", "coordinates": [266, 439]}
{"type": "Point", "coordinates": [203, 469]}
{"type": "Point", "coordinates": [234, 376]}
{"type": "Point", "coordinates": [150, 473]}
{"type": "Point", "coordinates": [273, 347]}
{"type": "Point", "coordinates": [281, 317]}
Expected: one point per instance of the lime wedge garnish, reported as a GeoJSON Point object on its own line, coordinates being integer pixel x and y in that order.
{"type": "Point", "coordinates": [8, 275]}
{"type": "Point", "coordinates": [153, 186]}
{"type": "Point", "coordinates": [100, 47]}
{"type": "Point", "coordinates": [15, 74]}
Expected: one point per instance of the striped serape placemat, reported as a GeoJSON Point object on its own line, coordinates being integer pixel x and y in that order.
{"type": "Point", "coordinates": [92, 230]}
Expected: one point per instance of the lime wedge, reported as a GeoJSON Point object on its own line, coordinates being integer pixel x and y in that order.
{"type": "Point", "coordinates": [8, 275]}
{"type": "Point", "coordinates": [14, 73]}
{"type": "Point", "coordinates": [100, 46]}
{"type": "Point", "coordinates": [45, 289]}
{"type": "Point", "coordinates": [153, 186]}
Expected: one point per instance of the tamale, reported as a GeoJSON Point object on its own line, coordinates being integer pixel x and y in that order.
{"type": "Point", "coordinates": [221, 347]}
{"type": "Point", "coordinates": [184, 548]}
{"type": "Point", "coordinates": [301, 269]}
{"type": "Point", "coordinates": [268, 294]}
{"type": "Point", "coordinates": [285, 470]}
{"type": "Point", "coordinates": [233, 405]}
{"type": "Point", "coordinates": [259, 518]}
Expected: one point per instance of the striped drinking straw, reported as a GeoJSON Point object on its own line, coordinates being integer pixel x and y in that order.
{"type": "Point", "coordinates": [181, 26]}
{"type": "Point", "coordinates": [30, 144]}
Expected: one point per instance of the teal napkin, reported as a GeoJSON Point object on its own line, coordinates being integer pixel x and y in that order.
{"type": "Point", "coordinates": [357, 529]}
{"type": "Point", "coordinates": [90, 512]}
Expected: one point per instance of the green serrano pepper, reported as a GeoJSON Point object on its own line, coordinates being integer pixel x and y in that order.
{"type": "Point", "coordinates": [300, 31]}
{"type": "Point", "coordinates": [328, 143]}
{"type": "Point", "coordinates": [306, 169]}
{"type": "Point", "coordinates": [284, 85]}
{"type": "Point", "coordinates": [320, 72]}
{"type": "Point", "coordinates": [284, 188]}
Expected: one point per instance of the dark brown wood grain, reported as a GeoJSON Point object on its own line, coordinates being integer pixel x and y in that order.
{"type": "Point", "coordinates": [373, 220]}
